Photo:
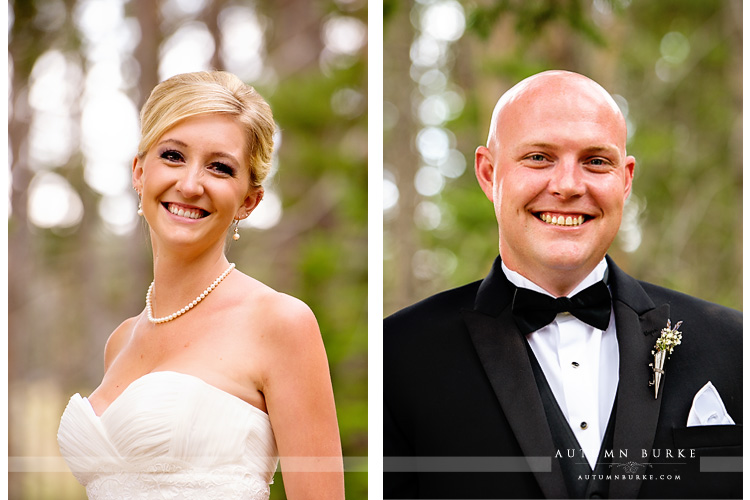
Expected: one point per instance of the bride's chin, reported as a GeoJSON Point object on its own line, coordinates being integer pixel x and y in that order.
{"type": "Point", "coordinates": [187, 241]}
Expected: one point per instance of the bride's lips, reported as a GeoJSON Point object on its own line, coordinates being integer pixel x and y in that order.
{"type": "Point", "coordinates": [185, 211]}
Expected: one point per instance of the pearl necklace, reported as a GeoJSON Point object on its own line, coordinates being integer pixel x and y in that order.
{"type": "Point", "coordinates": [198, 299]}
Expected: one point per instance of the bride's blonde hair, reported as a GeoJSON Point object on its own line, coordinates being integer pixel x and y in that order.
{"type": "Point", "coordinates": [192, 94]}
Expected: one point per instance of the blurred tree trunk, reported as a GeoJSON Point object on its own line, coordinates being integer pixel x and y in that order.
{"type": "Point", "coordinates": [147, 52]}
{"type": "Point", "coordinates": [25, 47]}
{"type": "Point", "coordinates": [295, 40]}
{"type": "Point", "coordinates": [210, 18]}
{"type": "Point", "coordinates": [400, 153]}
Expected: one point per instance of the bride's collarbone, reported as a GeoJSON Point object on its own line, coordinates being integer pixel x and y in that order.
{"type": "Point", "coordinates": [194, 324]}
{"type": "Point", "coordinates": [224, 312]}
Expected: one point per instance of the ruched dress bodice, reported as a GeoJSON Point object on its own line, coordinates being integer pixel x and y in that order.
{"type": "Point", "coordinates": [170, 435]}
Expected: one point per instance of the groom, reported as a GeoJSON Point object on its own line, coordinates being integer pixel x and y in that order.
{"type": "Point", "coordinates": [499, 390]}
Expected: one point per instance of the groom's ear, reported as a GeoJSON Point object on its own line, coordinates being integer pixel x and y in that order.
{"type": "Point", "coordinates": [484, 168]}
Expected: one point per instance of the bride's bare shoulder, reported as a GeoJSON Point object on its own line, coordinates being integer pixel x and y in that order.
{"type": "Point", "coordinates": [117, 340]}
{"type": "Point", "coordinates": [276, 312]}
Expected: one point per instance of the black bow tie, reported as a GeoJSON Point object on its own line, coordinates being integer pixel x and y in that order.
{"type": "Point", "coordinates": [533, 310]}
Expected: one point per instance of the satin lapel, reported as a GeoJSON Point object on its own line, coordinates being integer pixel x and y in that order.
{"type": "Point", "coordinates": [502, 351]}
{"type": "Point", "coordinates": [638, 323]}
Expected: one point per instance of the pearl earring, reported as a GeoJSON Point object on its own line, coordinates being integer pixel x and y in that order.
{"type": "Point", "coordinates": [236, 235]}
{"type": "Point", "coordinates": [140, 206]}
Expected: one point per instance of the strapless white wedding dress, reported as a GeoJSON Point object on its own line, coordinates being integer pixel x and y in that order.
{"type": "Point", "coordinates": [170, 435]}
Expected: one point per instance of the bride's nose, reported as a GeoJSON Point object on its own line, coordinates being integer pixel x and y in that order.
{"type": "Point", "coordinates": [190, 181]}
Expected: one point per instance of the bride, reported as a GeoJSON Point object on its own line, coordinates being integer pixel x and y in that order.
{"type": "Point", "coordinates": [219, 375]}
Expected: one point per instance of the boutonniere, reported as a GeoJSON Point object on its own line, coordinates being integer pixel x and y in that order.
{"type": "Point", "coordinates": [665, 344]}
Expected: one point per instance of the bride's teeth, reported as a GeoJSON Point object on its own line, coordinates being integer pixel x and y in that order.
{"type": "Point", "coordinates": [181, 212]}
{"type": "Point", "coordinates": [580, 220]}
{"type": "Point", "coordinates": [569, 221]}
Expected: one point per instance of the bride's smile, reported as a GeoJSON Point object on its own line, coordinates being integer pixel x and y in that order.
{"type": "Point", "coordinates": [185, 211]}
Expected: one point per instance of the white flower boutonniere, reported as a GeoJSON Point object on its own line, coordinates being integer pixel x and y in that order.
{"type": "Point", "coordinates": [665, 344]}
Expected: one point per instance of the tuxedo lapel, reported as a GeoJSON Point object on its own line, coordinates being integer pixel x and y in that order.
{"type": "Point", "coordinates": [502, 351]}
{"type": "Point", "coordinates": [638, 322]}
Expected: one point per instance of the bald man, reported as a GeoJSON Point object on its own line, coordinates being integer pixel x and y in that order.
{"type": "Point", "coordinates": [541, 380]}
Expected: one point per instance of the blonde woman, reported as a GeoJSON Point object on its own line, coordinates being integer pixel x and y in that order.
{"type": "Point", "coordinates": [219, 375]}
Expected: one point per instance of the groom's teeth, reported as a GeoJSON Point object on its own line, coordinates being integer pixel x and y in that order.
{"type": "Point", "coordinates": [562, 220]}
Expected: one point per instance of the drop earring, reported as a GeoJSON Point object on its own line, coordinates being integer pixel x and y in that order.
{"type": "Point", "coordinates": [236, 235]}
{"type": "Point", "coordinates": [140, 206]}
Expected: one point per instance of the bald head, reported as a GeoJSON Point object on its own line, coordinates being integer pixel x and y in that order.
{"type": "Point", "coordinates": [580, 91]}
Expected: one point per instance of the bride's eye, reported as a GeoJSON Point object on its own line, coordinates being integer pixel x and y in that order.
{"type": "Point", "coordinates": [171, 155]}
{"type": "Point", "coordinates": [223, 168]}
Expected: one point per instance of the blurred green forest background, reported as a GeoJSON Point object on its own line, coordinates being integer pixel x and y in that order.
{"type": "Point", "coordinates": [79, 260]}
{"type": "Point", "coordinates": [675, 69]}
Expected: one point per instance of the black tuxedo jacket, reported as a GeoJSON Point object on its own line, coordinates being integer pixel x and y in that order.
{"type": "Point", "coordinates": [458, 382]}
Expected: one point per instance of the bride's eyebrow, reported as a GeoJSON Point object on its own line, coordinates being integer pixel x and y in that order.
{"type": "Point", "coordinates": [173, 141]}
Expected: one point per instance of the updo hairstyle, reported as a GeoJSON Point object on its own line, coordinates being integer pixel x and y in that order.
{"type": "Point", "coordinates": [192, 94]}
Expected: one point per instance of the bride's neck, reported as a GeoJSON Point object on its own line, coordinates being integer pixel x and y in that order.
{"type": "Point", "coordinates": [177, 280]}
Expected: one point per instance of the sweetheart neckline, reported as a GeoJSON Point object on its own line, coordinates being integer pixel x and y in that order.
{"type": "Point", "coordinates": [172, 372]}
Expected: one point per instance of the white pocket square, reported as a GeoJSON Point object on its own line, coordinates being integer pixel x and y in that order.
{"type": "Point", "coordinates": [708, 408]}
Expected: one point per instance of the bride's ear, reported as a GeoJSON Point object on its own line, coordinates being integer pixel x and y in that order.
{"type": "Point", "coordinates": [251, 201]}
{"type": "Point", "coordinates": [137, 175]}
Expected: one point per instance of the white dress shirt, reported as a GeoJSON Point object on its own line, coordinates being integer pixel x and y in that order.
{"type": "Point", "coordinates": [581, 365]}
